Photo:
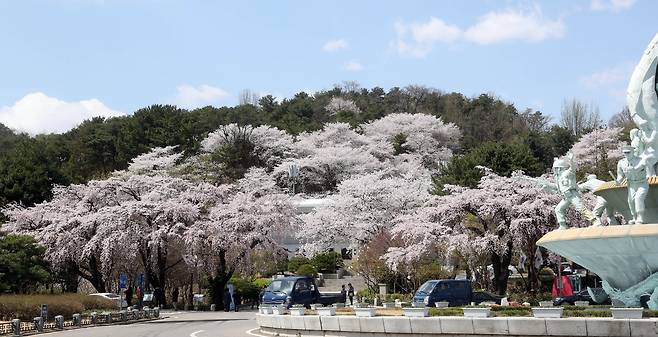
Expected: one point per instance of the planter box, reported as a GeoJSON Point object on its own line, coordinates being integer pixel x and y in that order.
{"type": "Point", "coordinates": [365, 312]}
{"type": "Point", "coordinates": [297, 311]}
{"type": "Point", "coordinates": [416, 312]}
{"type": "Point", "coordinates": [581, 303]}
{"type": "Point", "coordinates": [442, 304]}
{"type": "Point", "coordinates": [338, 305]}
{"type": "Point", "coordinates": [625, 313]}
{"type": "Point", "coordinates": [326, 311]}
{"type": "Point", "coordinates": [388, 305]}
{"type": "Point", "coordinates": [546, 312]}
{"type": "Point", "coordinates": [477, 312]}
{"type": "Point", "coordinates": [417, 304]}
{"type": "Point", "coordinates": [279, 309]}
{"type": "Point", "coordinates": [545, 304]}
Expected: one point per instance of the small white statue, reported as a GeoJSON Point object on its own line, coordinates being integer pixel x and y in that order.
{"type": "Point", "coordinates": [590, 185]}
{"type": "Point", "coordinates": [646, 147]}
{"type": "Point", "coordinates": [631, 169]}
{"type": "Point", "coordinates": [566, 186]}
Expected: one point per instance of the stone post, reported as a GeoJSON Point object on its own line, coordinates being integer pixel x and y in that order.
{"type": "Point", "coordinates": [16, 326]}
{"type": "Point", "coordinates": [382, 291]}
{"type": "Point", "coordinates": [156, 312]}
{"type": "Point", "coordinates": [77, 320]}
{"type": "Point", "coordinates": [213, 307]}
{"type": "Point", "coordinates": [109, 318]}
{"type": "Point", "coordinates": [59, 322]}
{"type": "Point", "coordinates": [124, 315]}
{"type": "Point", "coordinates": [38, 324]}
{"type": "Point", "coordinates": [94, 318]}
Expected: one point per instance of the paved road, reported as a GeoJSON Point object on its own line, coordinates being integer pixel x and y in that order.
{"type": "Point", "coordinates": [177, 324]}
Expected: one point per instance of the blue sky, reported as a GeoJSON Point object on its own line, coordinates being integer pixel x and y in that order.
{"type": "Point", "coordinates": [64, 60]}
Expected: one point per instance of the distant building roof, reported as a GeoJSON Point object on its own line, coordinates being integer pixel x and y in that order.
{"type": "Point", "coordinates": [308, 205]}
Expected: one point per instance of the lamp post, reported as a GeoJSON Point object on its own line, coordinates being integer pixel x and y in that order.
{"type": "Point", "coordinates": [293, 173]}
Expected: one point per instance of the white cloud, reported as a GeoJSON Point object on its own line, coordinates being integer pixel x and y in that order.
{"type": "Point", "coordinates": [611, 5]}
{"type": "Point", "coordinates": [194, 97]}
{"type": "Point", "coordinates": [353, 66]}
{"type": "Point", "coordinates": [335, 45]}
{"type": "Point", "coordinates": [613, 76]}
{"type": "Point", "coordinates": [418, 39]}
{"type": "Point", "coordinates": [495, 27]}
{"type": "Point", "coordinates": [38, 113]}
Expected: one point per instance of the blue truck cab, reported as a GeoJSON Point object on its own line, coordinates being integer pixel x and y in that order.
{"type": "Point", "coordinates": [456, 292]}
{"type": "Point", "coordinates": [296, 290]}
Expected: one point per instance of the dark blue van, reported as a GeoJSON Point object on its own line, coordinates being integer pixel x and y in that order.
{"type": "Point", "coordinates": [296, 290]}
{"type": "Point", "coordinates": [456, 292]}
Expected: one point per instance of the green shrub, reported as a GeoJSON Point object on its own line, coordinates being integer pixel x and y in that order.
{"type": "Point", "coordinates": [446, 312]}
{"type": "Point", "coordinates": [398, 296]}
{"type": "Point", "coordinates": [327, 262]}
{"type": "Point", "coordinates": [26, 307]}
{"type": "Point", "coordinates": [262, 283]}
{"type": "Point", "coordinates": [306, 270]}
{"type": "Point", "coordinates": [297, 261]}
{"type": "Point", "coordinates": [366, 292]}
{"type": "Point", "coordinates": [587, 313]}
{"type": "Point", "coordinates": [650, 313]}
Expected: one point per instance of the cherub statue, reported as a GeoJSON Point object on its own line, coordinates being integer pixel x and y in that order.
{"type": "Point", "coordinates": [633, 171]}
{"type": "Point", "coordinates": [590, 185]}
{"type": "Point", "coordinates": [566, 186]}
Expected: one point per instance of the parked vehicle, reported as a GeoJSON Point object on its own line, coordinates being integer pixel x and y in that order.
{"type": "Point", "coordinates": [112, 297]}
{"type": "Point", "coordinates": [296, 290]}
{"type": "Point", "coordinates": [455, 292]}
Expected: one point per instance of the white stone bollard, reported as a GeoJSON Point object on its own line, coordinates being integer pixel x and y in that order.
{"type": "Point", "coordinates": [16, 326]}
{"type": "Point", "coordinates": [59, 322]}
{"type": "Point", "coordinates": [94, 318]}
{"type": "Point", "coordinates": [38, 323]}
{"type": "Point", "coordinates": [77, 320]}
{"type": "Point", "coordinates": [213, 307]}
{"type": "Point", "coordinates": [156, 312]}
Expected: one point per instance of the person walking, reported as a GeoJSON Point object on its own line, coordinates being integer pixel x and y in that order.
{"type": "Point", "coordinates": [350, 293]}
{"type": "Point", "coordinates": [343, 294]}
{"type": "Point", "coordinates": [231, 290]}
{"type": "Point", "coordinates": [129, 296]}
{"type": "Point", "coordinates": [174, 298]}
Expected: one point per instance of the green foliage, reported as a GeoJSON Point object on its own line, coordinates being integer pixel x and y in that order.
{"type": "Point", "coordinates": [22, 267]}
{"type": "Point", "coordinates": [366, 292]}
{"type": "Point", "coordinates": [446, 312]}
{"type": "Point", "coordinates": [327, 262]}
{"type": "Point", "coordinates": [262, 283]}
{"type": "Point", "coordinates": [26, 307]}
{"type": "Point", "coordinates": [307, 270]}
{"type": "Point", "coordinates": [296, 261]}
{"type": "Point", "coordinates": [29, 167]}
{"type": "Point", "coordinates": [502, 158]}
{"type": "Point", "coordinates": [248, 287]}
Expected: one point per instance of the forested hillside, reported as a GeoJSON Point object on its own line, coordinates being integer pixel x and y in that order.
{"type": "Point", "coordinates": [30, 166]}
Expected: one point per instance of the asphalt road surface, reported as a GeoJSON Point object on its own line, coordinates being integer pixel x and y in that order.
{"type": "Point", "coordinates": [178, 324]}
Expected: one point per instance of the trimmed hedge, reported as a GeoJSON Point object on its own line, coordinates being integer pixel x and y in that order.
{"type": "Point", "coordinates": [26, 307]}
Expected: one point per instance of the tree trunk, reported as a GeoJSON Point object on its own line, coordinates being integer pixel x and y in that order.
{"type": "Point", "coordinates": [94, 277]}
{"type": "Point", "coordinates": [501, 269]}
{"type": "Point", "coordinates": [219, 281]}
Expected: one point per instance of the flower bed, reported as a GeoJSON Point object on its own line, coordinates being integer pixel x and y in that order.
{"type": "Point", "coordinates": [26, 307]}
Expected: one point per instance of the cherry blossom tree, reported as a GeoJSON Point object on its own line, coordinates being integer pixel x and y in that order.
{"type": "Point", "coordinates": [502, 215]}
{"type": "Point", "coordinates": [599, 150]}
{"type": "Point", "coordinates": [236, 228]}
{"type": "Point", "coordinates": [423, 134]}
{"type": "Point", "coordinates": [339, 104]}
